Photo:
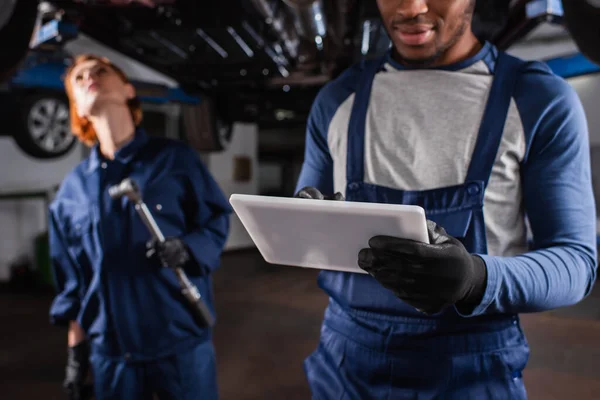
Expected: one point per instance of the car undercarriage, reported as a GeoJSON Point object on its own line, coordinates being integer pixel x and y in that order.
{"type": "Point", "coordinates": [263, 60]}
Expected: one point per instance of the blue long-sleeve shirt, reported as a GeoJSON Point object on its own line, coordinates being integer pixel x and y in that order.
{"type": "Point", "coordinates": [129, 305]}
{"type": "Point", "coordinates": [420, 133]}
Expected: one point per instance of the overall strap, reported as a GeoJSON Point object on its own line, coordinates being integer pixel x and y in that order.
{"type": "Point", "coordinates": [355, 164]}
{"type": "Point", "coordinates": [491, 130]}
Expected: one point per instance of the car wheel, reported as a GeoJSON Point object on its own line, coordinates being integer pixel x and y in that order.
{"type": "Point", "coordinates": [45, 130]}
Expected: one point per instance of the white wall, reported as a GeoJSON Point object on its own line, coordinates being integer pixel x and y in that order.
{"type": "Point", "coordinates": [23, 173]}
{"type": "Point", "coordinates": [244, 143]}
{"type": "Point", "coordinates": [22, 220]}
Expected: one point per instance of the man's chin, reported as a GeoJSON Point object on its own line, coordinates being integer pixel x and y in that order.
{"type": "Point", "coordinates": [417, 57]}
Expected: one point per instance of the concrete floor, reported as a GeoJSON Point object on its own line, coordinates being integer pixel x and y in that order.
{"type": "Point", "coordinates": [269, 319]}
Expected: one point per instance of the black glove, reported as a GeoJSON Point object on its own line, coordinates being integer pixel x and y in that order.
{"type": "Point", "coordinates": [310, 192]}
{"type": "Point", "coordinates": [78, 364]}
{"type": "Point", "coordinates": [429, 277]}
{"type": "Point", "coordinates": [173, 252]}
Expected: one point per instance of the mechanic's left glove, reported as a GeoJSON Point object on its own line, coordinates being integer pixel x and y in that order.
{"type": "Point", "coordinates": [429, 277]}
{"type": "Point", "coordinates": [173, 252]}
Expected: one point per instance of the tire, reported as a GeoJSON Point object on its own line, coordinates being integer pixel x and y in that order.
{"type": "Point", "coordinates": [43, 126]}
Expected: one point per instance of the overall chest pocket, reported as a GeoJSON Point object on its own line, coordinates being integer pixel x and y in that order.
{"type": "Point", "coordinates": [166, 203]}
{"type": "Point", "coordinates": [456, 223]}
{"type": "Point", "coordinates": [456, 208]}
{"type": "Point", "coordinates": [81, 239]}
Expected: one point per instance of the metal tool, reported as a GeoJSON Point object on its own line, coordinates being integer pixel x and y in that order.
{"type": "Point", "coordinates": [129, 189]}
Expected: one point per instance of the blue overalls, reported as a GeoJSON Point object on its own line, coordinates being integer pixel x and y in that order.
{"type": "Point", "coordinates": [373, 345]}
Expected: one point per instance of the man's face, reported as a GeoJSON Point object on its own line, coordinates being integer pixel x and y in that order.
{"type": "Point", "coordinates": [423, 30]}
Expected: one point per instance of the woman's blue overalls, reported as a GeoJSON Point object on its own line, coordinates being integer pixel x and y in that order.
{"type": "Point", "coordinates": [373, 345]}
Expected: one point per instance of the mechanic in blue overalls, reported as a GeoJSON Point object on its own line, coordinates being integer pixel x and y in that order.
{"type": "Point", "coordinates": [123, 308]}
{"type": "Point", "coordinates": [480, 140]}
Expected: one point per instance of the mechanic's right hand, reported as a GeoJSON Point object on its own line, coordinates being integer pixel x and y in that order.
{"type": "Point", "coordinates": [78, 364]}
{"type": "Point", "coordinates": [309, 192]}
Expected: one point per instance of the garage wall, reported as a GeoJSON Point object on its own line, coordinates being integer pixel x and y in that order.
{"type": "Point", "coordinates": [242, 149]}
{"type": "Point", "coordinates": [22, 220]}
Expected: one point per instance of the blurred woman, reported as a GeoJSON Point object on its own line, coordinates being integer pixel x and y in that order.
{"type": "Point", "coordinates": [123, 309]}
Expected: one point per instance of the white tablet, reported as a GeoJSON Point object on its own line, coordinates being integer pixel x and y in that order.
{"type": "Point", "coordinates": [323, 234]}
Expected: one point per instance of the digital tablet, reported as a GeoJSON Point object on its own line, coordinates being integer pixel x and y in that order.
{"type": "Point", "coordinates": [323, 234]}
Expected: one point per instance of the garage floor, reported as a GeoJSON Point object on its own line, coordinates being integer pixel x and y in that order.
{"type": "Point", "coordinates": [268, 322]}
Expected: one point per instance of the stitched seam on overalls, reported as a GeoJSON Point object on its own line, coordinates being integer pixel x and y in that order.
{"type": "Point", "coordinates": [388, 318]}
{"type": "Point", "coordinates": [391, 318]}
{"type": "Point", "coordinates": [401, 353]}
{"type": "Point", "coordinates": [451, 209]}
{"type": "Point", "coordinates": [358, 344]}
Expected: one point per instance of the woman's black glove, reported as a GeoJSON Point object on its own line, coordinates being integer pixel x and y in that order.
{"type": "Point", "coordinates": [173, 252]}
{"type": "Point", "coordinates": [76, 372]}
{"type": "Point", "coordinates": [429, 277]}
